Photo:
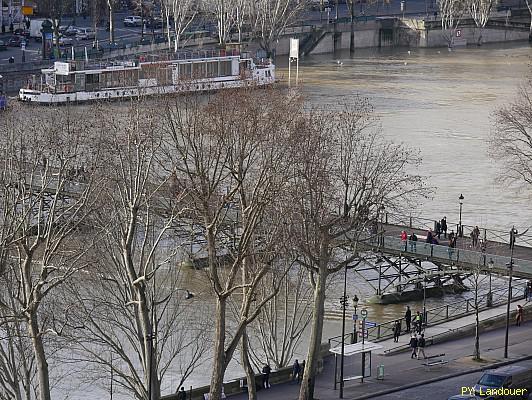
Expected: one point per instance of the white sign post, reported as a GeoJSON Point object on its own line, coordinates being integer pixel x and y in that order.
{"type": "Point", "coordinates": [293, 56]}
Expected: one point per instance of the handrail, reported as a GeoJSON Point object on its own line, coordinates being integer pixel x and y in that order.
{"type": "Point", "coordinates": [384, 330]}
{"type": "Point", "coordinates": [423, 223]}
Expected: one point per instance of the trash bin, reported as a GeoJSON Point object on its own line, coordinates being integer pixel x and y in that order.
{"type": "Point", "coordinates": [380, 372]}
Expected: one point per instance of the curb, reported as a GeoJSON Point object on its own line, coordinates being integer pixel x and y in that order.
{"type": "Point", "coordinates": [441, 378]}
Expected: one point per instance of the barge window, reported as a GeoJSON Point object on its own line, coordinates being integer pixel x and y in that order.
{"type": "Point", "coordinates": [185, 71]}
{"type": "Point", "coordinates": [212, 69]}
{"type": "Point", "coordinates": [225, 68]}
{"type": "Point", "coordinates": [198, 70]}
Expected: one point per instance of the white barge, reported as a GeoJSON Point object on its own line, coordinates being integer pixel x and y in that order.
{"type": "Point", "coordinates": [78, 81]}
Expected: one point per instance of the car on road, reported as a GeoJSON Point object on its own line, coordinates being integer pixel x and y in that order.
{"type": "Point", "coordinates": [86, 34]}
{"type": "Point", "coordinates": [16, 41]}
{"type": "Point", "coordinates": [2, 46]}
{"type": "Point", "coordinates": [133, 21]}
{"type": "Point", "coordinates": [71, 31]}
{"type": "Point", "coordinates": [22, 32]}
{"type": "Point", "coordinates": [64, 41]}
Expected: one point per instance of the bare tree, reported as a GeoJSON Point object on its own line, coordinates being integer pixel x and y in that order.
{"type": "Point", "coordinates": [345, 172]}
{"type": "Point", "coordinates": [511, 139]}
{"type": "Point", "coordinates": [480, 11]}
{"type": "Point", "coordinates": [224, 13]}
{"type": "Point", "coordinates": [451, 13]}
{"type": "Point", "coordinates": [111, 4]}
{"type": "Point", "coordinates": [230, 156]}
{"type": "Point", "coordinates": [278, 330]}
{"type": "Point", "coordinates": [43, 211]}
{"type": "Point", "coordinates": [17, 361]}
{"type": "Point", "coordinates": [135, 313]}
{"type": "Point", "coordinates": [183, 12]}
{"type": "Point", "coordinates": [271, 18]}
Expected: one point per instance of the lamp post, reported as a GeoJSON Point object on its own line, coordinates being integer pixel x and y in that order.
{"type": "Point", "coordinates": [355, 304]}
{"type": "Point", "coordinates": [510, 272]}
{"type": "Point", "coordinates": [460, 230]}
{"type": "Point", "coordinates": [381, 210]}
{"type": "Point", "coordinates": [424, 300]}
{"type": "Point", "coordinates": [489, 300]}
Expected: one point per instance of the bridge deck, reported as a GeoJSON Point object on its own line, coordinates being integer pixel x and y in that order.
{"type": "Point", "coordinates": [494, 255]}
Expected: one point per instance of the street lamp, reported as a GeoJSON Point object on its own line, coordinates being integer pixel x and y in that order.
{"type": "Point", "coordinates": [355, 304]}
{"type": "Point", "coordinates": [489, 300]}
{"type": "Point", "coordinates": [381, 211]}
{"type": "Point", "coordinates": [424, 300]}
{"type": "Point", "coordinates": [460, 230]}
{"type": "Point", "coordinates": [510, 273]}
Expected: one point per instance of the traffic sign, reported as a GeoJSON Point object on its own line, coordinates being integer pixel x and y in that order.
{"type": "Point", "coordinates": [364, 313]}
{"type": "Point", "coordinates": [355, 317]}
{"type": "Point", "coordinates": [370, 324]}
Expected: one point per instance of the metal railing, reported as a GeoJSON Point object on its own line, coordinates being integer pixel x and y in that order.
{"type": "Point", "coordinates": [436, 315]}
{"type": "Point", "coordinates": [493, 235]}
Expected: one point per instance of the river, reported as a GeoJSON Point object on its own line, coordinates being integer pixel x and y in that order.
{"type": "Point", "coordinates": [440, 103]}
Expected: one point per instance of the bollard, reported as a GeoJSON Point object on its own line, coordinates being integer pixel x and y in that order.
{"type": "Point", "coordinates": [380, 372]}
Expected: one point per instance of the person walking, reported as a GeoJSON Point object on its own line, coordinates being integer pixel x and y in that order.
{"type": "Point", "coordinates": [519, 315]}
{"type": "Point", "coordinates": [513, 234]}
{"type": "Point", "coordinates": [476, 235]}
{"type": "Point", "coordinates": [266, 370]}
{"type": "Point", "coordinates": [413, 241]}
{"type": "Point", "coordinates": [404, 238]}
{"type": "Point", "coordinates": [413, 345]}
{"type": "Point", "coordinates": [182, 395]}
{"type": "Point", "coordinates": [408, 318]}
{"type": "Point", "coordinates": [396, 331]}
{"type": "Point", "coordinates": [438, 229]}
{"type": "Point", "coordinates": [443, 224]}
{"type": "Point", "coordinates": [429, 236]}
{"type": "Point", "coordinates": [421, 346]}
{"type": "Point", "coordinates": [418, 322]}
{"type": "Point", "coordinates": [296, 370]}
{"type": "Point", "coordinates": [529, 284]}
{"type": "Point", "coordinates": [452, 244]}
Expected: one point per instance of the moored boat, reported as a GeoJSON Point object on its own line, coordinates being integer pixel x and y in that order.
{"type": "Point", "coordinates": [79, 81]}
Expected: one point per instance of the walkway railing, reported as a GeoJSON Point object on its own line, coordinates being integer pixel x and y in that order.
{"type": "Point", "coordinates": [437, 315]}
{"type": "Point", "coordinates": [421, 223]}
{"type": "Point", "coordinates": [454, 256]}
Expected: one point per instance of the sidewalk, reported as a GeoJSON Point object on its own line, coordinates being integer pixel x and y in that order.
{"type": "Point", "coordinates": [401, 370]}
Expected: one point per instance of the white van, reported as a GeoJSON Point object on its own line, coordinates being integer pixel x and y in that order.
{"type": "Point", "coordinates": [508, 382]}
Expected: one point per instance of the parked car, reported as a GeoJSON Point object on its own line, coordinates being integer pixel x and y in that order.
{"type": "Point", "coordinates": [86, 34]}
{"type": "Point", "coordinates": [16, 41]}
{"type": "Point", "coordinates": [22, 32]}
{"type": "Point", "coordinates": [2, 46]}
{"type": "Point", "coordinates": [133, 21]}
{"type": "Point", "coordinates": [64, 41]}
{"type": "Point", "coordinates": [71, 31]}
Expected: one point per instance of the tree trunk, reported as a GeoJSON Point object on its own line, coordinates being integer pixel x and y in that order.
{"type": "Point", "coordinates": [250, 375]}
{"type": "Point", "coordinates": [219, 363]}
{"type": "Point", "coordinates": [311, 365]}
{"type": "Point", "coordinates": [477, 325]}
{"type": "Point", "coordinates": [40, 356]}
{"type": "Point", "coordinates": [111, 23]}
